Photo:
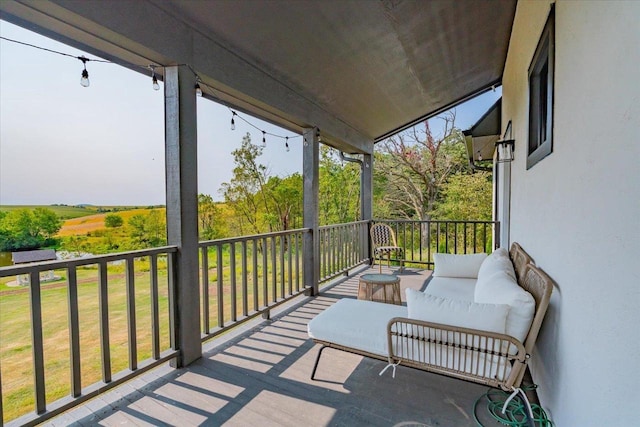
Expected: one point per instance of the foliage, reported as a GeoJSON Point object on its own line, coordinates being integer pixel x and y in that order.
{"type": "Point", "coordinates": [148, 230]}
{"type": "Point", "coordinates": [210, 223]}
{"type": "Point", "coordinates": [466, 197]}
{"type": "Point", "coordinates": [261, 203]}
{"type": "Point", "coordinates": [413, 167]}
{"type": "Point", "coordinates": [339, 189]}
{"type": "Point", "coordinates": [28, 229]}
{"type": "Point", "coordinates": [113, 221]}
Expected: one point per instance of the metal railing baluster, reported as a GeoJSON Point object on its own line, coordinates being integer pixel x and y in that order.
{"type": "Point", "coordinates": [204, 260]}
{"type": "Point", "coordinates": [255, 274]}
{"type": "Point", "coordinates": [37, 343]}
{"type": "Point", "coordinates": [131, 314]}
{"type": "Point", "coordinates": [155, 309]}
{"type": "Point", "coordinates": [232, 279]}
{"type": "Point", "coordinates": [245, 293]}
{"type": "Point", "coordinates": [220, 285]}
{"type": "Point", "coordinates": [74, 332]}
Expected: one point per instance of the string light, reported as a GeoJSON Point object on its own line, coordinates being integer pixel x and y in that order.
{"type": "Point", "coordinates": [84, 79]}
{"type": "Point", "coordinates": [154, 79]}
{"type": "Point", "coordinates": [318, 136]}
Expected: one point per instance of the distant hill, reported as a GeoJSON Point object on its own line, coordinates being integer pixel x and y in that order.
{"type": "Point", "coordinates": [76, 211]}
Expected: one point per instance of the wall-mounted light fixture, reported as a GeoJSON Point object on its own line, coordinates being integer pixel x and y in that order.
{"type": "Point", "coordinates": [505, 150]}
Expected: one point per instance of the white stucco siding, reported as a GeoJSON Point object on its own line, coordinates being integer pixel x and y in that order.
{"type": "Point", "coordinates": [577, 211]}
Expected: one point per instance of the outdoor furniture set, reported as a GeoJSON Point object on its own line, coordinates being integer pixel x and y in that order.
{"type": "Point", "coordinates": [477, 320]}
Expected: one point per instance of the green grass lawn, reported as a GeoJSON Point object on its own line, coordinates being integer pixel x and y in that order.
{"type": "Point", "coordinates": [15, 333]}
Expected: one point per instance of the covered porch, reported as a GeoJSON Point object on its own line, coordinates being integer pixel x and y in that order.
{"type": "Point", "coordinates": [260, 375]}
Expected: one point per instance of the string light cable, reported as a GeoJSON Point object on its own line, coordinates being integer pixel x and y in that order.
{"type": "Point", "coordinates": [198, 87]}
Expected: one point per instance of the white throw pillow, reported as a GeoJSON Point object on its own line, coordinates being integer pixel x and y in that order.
{"type": "Point", "coordinates": [502, 288]}
{"type": "Point", "coordinates": [497, 261]}
{"type": "Point", "coordinates": [430, 308]}
{"type": "Point", "coordinates": [458, 265]}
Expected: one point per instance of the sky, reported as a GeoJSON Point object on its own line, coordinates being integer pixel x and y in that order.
{"type": "Point", "coordinates": [61, 143]}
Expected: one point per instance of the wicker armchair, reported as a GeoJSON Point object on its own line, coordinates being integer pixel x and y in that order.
{"type": "Point", "coordinates": [383, 241]}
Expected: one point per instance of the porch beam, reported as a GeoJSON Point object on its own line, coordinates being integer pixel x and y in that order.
{"type": "Point", "coordinates": [311, 176]}
{"type": "Point", "coordinates": [181, 170]}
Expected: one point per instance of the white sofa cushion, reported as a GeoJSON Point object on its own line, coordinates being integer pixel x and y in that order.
{"type": "Point", "coordinates": [502, 288]}
{"type": "Point", "coordinates": [498, 260]}
{"type": "Point", "coordinates": [465, 314]}
{"type": "Point", "coordinates": [357, 324]}
{"type": "Point", "coordinates": [452, 287]}
{"type": "Point", "coordinates": [458, 265]}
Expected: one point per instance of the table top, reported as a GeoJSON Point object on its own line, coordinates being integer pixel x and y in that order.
{"type": "Point", "coordinates": [380, 278]}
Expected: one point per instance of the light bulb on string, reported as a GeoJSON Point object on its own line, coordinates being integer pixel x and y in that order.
{"type": "Point", "coordinates": [154, 79]}
{"type": "Point", "coordinates": [84, 80]}
{"type": "Point", "coordinates": [286, 144]}
{"type": "Point", "coordinates": [197, 88]}
{"type": "Point", "coordinates": [233, 122]}
{"type": "Point", "coordinates": [264, 138]}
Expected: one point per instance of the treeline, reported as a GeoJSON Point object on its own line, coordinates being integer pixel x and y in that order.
{"type": "Point", "coordinates": [417, 175]}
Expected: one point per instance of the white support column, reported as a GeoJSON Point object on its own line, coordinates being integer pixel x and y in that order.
{"type": "Point", "coordinates": [181, 159]}
{"type": "Point", "coordinates": [311, 177]}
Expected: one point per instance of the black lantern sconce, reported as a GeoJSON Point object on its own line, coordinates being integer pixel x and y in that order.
{"type": "Point", "coordinates": [505, 150]}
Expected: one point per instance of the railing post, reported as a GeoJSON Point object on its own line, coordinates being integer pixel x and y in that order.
{"type": "Point", "coordinates": [310, 244]}
{"type": "Point", "coordinates": [366, 198]}
{"type": "Point", "coordinates": [181, 171]}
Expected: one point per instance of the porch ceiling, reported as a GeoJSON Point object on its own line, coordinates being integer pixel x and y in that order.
{"type": "Point", "coordinates": [359, 70]}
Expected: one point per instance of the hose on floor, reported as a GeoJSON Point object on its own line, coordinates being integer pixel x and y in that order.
{"type": "Point", "coordinates": [516, 409]}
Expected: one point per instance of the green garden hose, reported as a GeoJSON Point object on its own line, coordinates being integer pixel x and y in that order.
{"type": "Point", "coordinates": [516, 413]}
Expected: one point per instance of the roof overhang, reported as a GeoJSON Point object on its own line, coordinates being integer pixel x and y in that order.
{"type": "Point", "coordinates": [359, 70]}
{"type": "Point", "coordinates": [481, 138]}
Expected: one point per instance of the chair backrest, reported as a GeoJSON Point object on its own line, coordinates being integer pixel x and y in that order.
{"type": "Point", "coordinates": [540, 285]}
{"type": "Point", "coordinates": [382, 235]}
{"type": "Point", "coordinates": [520, 259]}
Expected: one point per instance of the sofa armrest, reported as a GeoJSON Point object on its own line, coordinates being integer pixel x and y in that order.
{"type": "Point", "coordinates": [489, 358]}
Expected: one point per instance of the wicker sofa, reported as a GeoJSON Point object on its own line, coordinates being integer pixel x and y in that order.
{"type": "Point", "coordinates": [478, 328]}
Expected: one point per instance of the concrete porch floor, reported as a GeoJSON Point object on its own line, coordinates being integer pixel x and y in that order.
{"type": "Point", "coordinates": [261, 377]}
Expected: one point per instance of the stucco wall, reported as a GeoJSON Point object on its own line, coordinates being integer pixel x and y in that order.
{"type": "Point", "coordinates": [577, 212]}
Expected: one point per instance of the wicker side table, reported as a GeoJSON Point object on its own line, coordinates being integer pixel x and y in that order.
{"type": "Point", "coordinates": [380, 287]}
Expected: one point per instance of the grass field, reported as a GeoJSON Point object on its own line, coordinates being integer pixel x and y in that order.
{"type": "Point", "coordinates": [15, 334]}
{"type": "Point", "coordinates": [87, 224]}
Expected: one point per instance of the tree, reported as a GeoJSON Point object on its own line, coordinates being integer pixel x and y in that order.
{"type": "Point", "coordinates": [148, 230]}
{"type": "Point", "coordinates": [26, 229]}
{"type": "Point", "coordinates": [285, 200]}
{"type": "Point", "coordinates": [413, 167]}
{"type": "Point", "coordinates": [113, 221]}
{"type": "Point", "coordinates": [46, 222]}
{"type": "Point", "coordinates": [339, 193]}
{"type": "Point", "coordinates": [209, 218]}
{"type": "Point", "coordinates": [246, 193]}
{"type": "Point", "coordinates": [466, 197]}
